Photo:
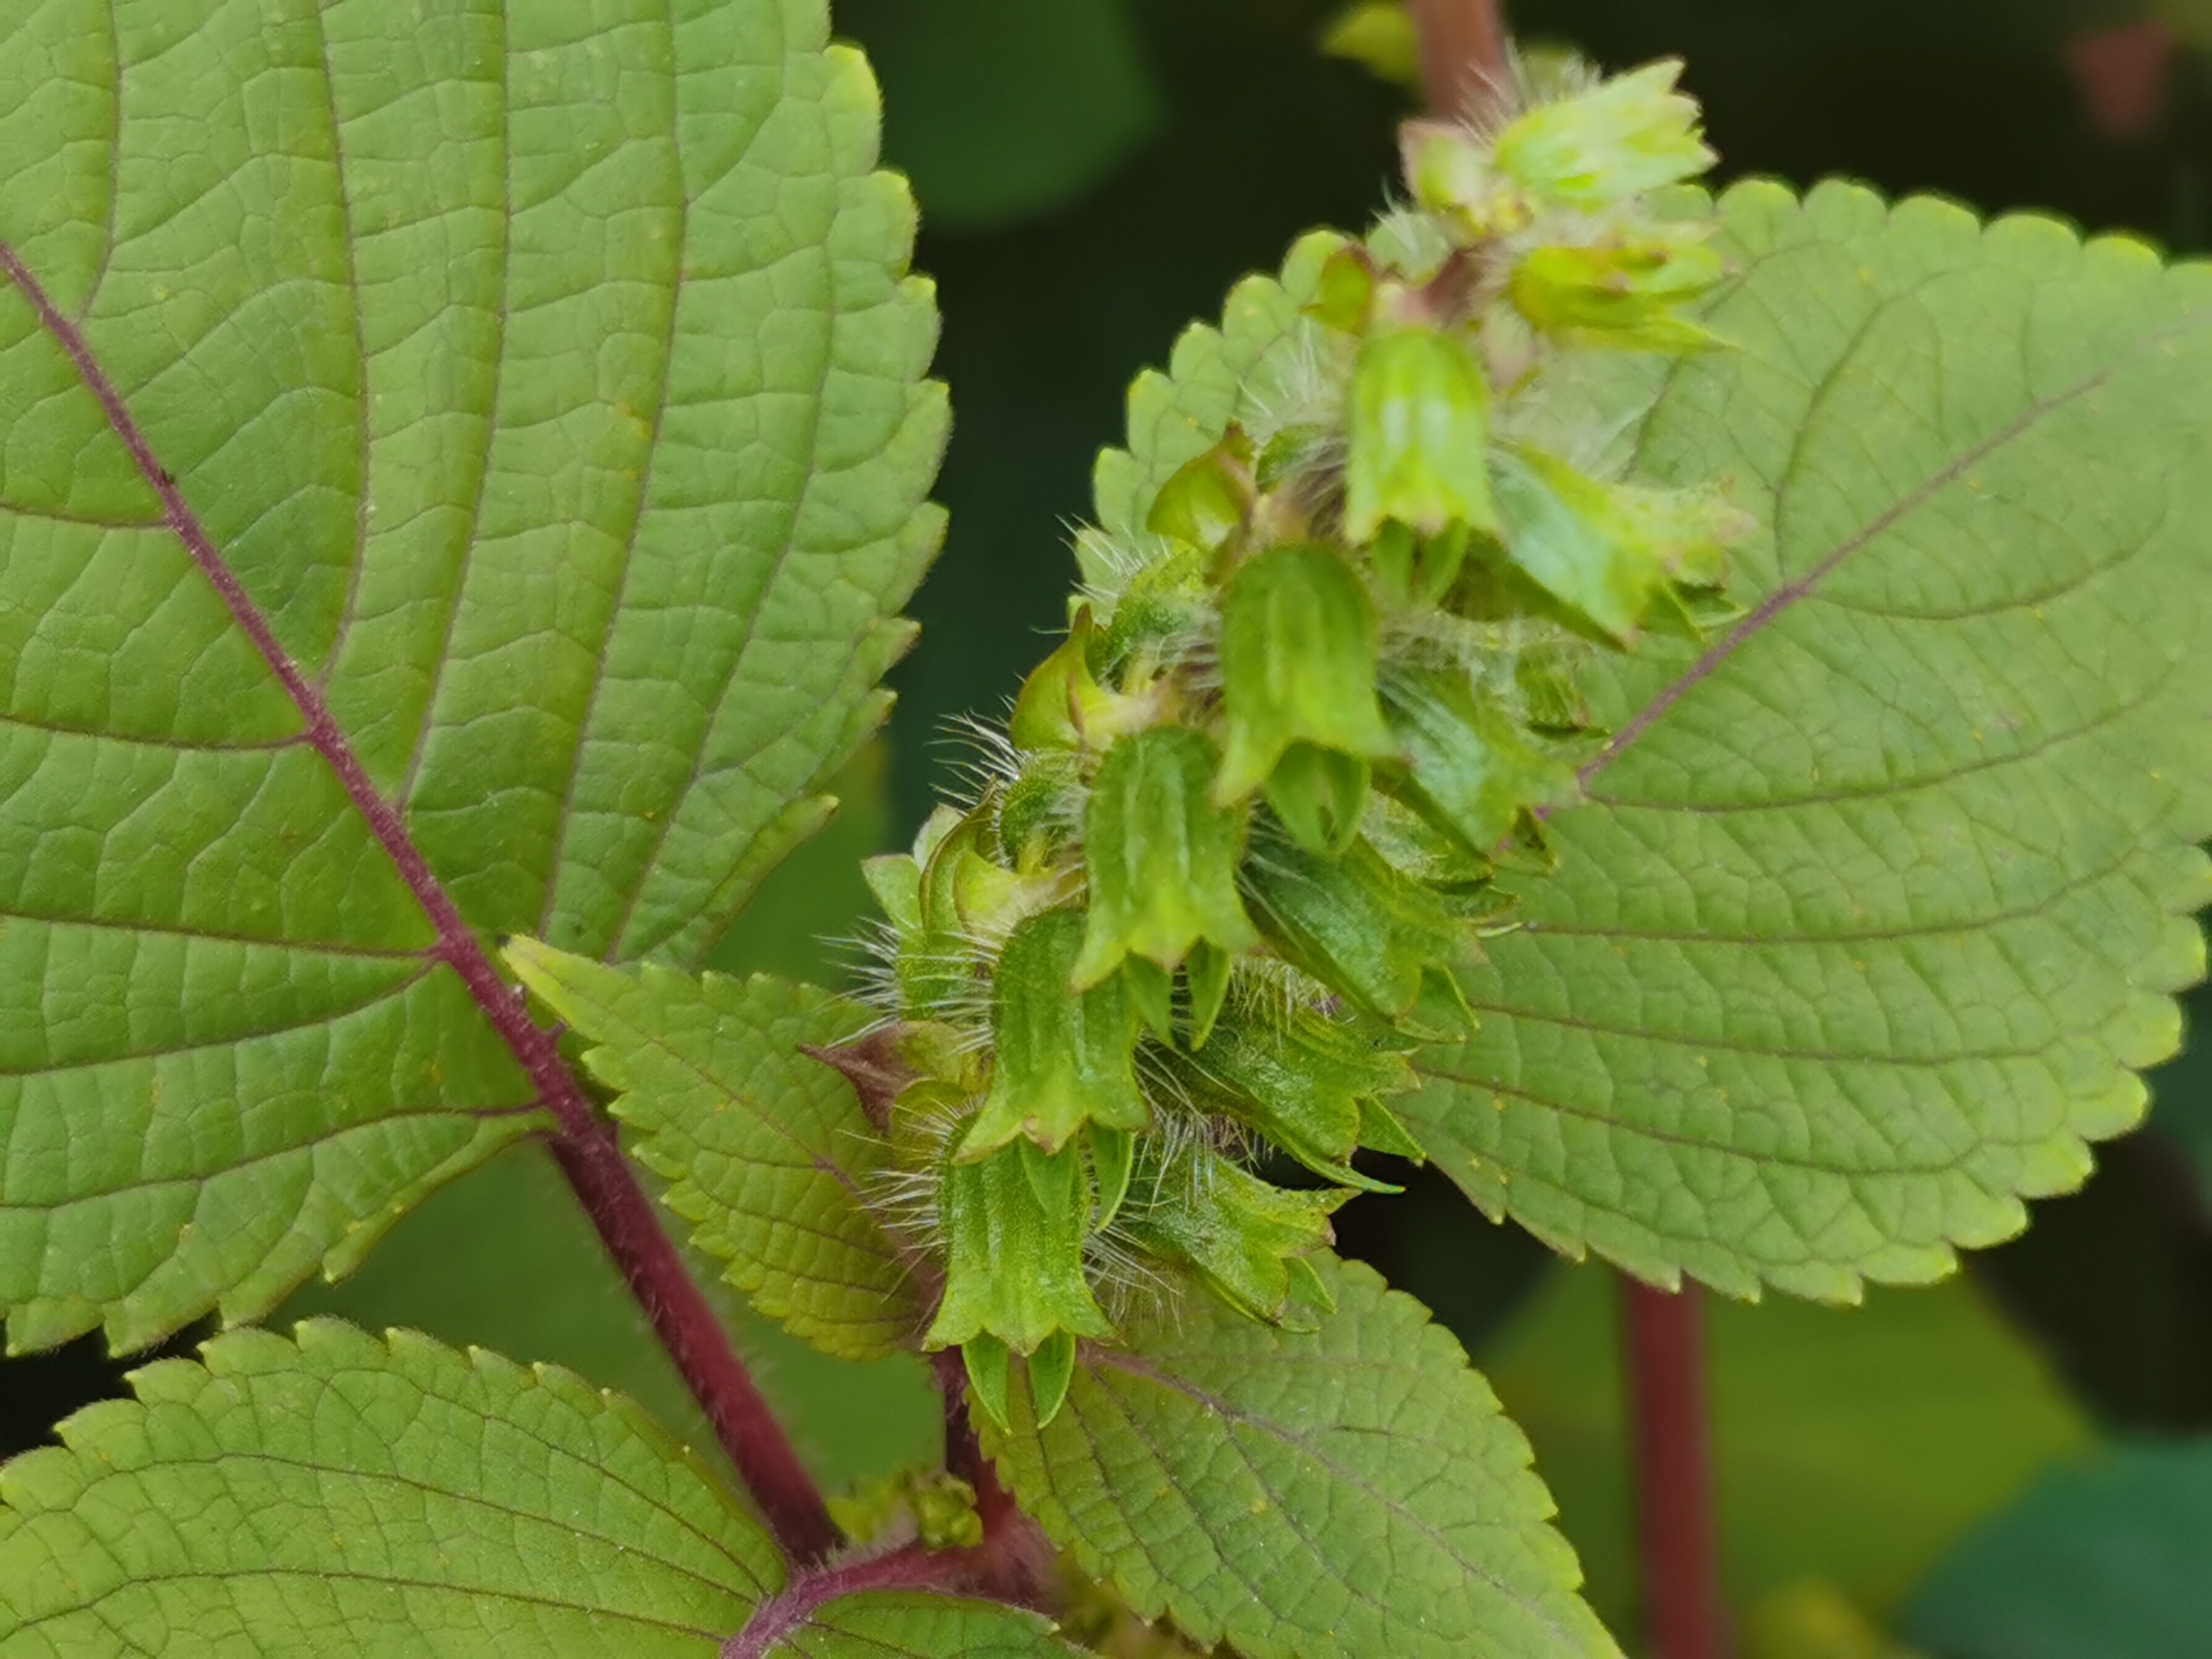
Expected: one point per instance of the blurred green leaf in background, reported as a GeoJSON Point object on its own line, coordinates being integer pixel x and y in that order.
{"type": "Point", "coordinates": [1853, 1445]}
{"type": "Point", "coordinates": [2111, 1559]}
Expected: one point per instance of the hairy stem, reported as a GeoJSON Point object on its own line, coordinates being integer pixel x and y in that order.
{"type": "Point", "coordinates": [584, 1144]}
{"type": "Point", "coordinates": [1670, 1437]}
{"type": "Point", "coordinates": [682, 1318]}
{"type": "Point", "coordinates": [909, 1568]}
{"type": "Point", "coordinates": [1464, 56]}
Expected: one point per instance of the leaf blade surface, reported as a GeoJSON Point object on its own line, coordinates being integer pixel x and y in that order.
{"type": "Point", "coordinates": [345, 1495]}
{"type": "Point", "coordinates": [458, 474]}
{"type": "Point", "coordinates": [1881, 900]}
{"type": "Point", "coordinates": [768, 1151]}
{"type": "Point", "coordinates": [1351, 1491]}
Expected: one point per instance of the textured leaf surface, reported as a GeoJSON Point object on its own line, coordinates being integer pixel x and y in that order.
{"type": "Point", "coordinates": [1852, 1447]}
{"type": "Point", "coordinates": [345, 1497]}
{"type": "Point", "coordinates": [546, 378]}
{"type": "Point", "coordinates": [1177, 414]}
{"type": "Point", "coordinates": [767, 1152]}
{"type": "Point", "coordinates": [1350, 1492]}
{"type": "Point", "coordinates": [1880, 898]}
{"type": "Point", "coordinates": [2112, 1558]}
{"type": "Point", "coordinates": [885, 1625]}
{"type": "Point", "coordinates": [471, 1264]}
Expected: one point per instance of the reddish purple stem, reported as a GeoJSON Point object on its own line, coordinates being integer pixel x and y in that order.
{"type": "Point", "coordinates": [1670, 1440]}
{"type": "Point", "coordinates": [1465, 63]}
{"type": "Point", "coordinates": [585, 1145]}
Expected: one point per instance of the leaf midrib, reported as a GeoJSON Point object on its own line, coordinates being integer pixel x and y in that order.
{"type": "Point", "coordinates": [457, 946]}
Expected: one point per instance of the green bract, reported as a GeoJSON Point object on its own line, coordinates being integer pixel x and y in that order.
{"type": "Point", "coordinates": [1620, 294]}
{"type": "Point", "coordinates": [1298, 666]}
{"type": "Point", "coordinates": [1622, 137]}
{"type": "Point", "coordinates": [1061, 1058]}
{"type": "Point", "coordinates": [1417, 436]}
{"type": "Point", "coordinates": [1161, 857]}
{"type": "Point", "coordinates": [1014, 1224]}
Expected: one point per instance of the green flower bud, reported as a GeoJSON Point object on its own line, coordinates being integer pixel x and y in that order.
{"type": "Point", "coordinates": [1624, 136]}
{"type": "Point", "coordinates": [1472, 772]}
{"type": "Point", "coordinates": [1449, 170]}
{"type": "Point", "coordinates": [1417, 429]}
{"type": "Point", "coordinates": [1378, 33]}
{"type": "Point", "coordinates": [1061, 1059]}
{"type": "Point", "coordinates": [1160, 606]}
{"type": "Point", "coordinates": [1040, 811]}
{"type": "Point", "coordinates": [1014, 1224]}
{"type": "Point", "coordinates": [1371, 935]}
{"type": "Point", "coordinates": [1603, 550]}
{"type": "Point", "coordinates": [1208, 499]}
{"type": "Point", "coordinates": [1303, 1084]}
{"type": "Point", "coordinates": [1621, 294]}
{"type": "Point", "coordinates": [1297, 665]}
{"type": "Point", "coordinates": [944, 1508]}
{"type": "Point", "coordinates": [1238, 1232]}
{"type": "Point", "coordinates": [1059, 702]}
{"type": "Point", "coordinates": [1162, 857]}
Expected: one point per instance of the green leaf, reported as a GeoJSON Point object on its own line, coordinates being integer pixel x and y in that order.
{"type": "Point", "coordinates": [892, 1625]}
{"type": "Point", "coordinates": [767, 1152]}
{"type": "Point", "coordinates": [2110, 1558]}
{"type": "Point", "coordinates": [1852, 1448]}
{"type": "Point", "coordinates": [1351, 1491]}
{"type": "Point", "coordinates": [487, 541]}
{"type": "Point", "coordinates": [1175, 416]}
{"type": "Point", "coordinates": [346, 1496]}
{"type": "Point", "coordinates": [472, 1265]}
{"type": "Point", "coordinates": [1882, 893]}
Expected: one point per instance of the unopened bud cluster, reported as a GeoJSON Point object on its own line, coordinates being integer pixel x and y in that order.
{"type": "Point", "coordinates": [1247, 818]}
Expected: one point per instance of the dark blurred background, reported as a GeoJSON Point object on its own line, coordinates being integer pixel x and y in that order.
{"type": "Point", "coordinates": [1093, 174]}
